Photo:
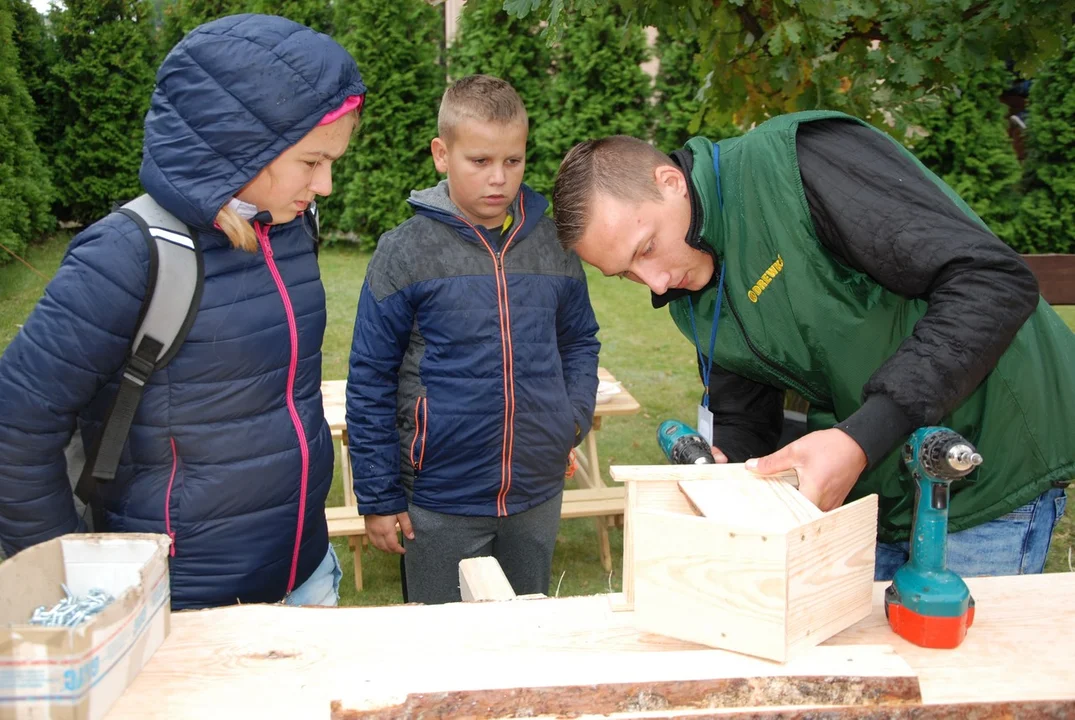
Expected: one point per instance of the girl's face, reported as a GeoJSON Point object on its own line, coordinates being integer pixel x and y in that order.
{"type": "Point", "coordinates": [287, 185]}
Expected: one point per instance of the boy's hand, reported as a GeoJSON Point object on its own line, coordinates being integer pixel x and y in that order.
{"type": "Point", "coordinates": [381, 530]}
{"type": "Point", "coordinates": [828, 462]}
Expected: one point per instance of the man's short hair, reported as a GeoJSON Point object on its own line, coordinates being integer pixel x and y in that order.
{"type": "Point", "coordinates": [478, 97]}
{"type": "Point", "coordinates": [620, 166]}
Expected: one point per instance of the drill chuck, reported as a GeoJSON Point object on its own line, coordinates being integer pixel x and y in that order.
{"type": "Point", "coordinates": [947, 456]}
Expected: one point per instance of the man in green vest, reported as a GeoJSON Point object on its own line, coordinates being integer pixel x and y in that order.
{"type": "Point", "coordinates": [836, 265]}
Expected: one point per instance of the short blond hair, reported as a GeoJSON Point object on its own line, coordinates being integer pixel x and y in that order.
{"type": "Point", "coordinates": [619, 166]}
{"type": "Point", "coordinates": [478, 97]}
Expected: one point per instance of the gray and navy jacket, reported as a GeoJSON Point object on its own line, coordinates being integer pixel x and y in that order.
{"type": "Point", "coordinates": [229, 452]}
{"type": "Point", "coordinates": [474, 364]}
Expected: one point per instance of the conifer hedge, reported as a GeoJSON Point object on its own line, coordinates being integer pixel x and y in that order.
{"type": "Point", "coordinates": [107, 58]}
{"type": "Point", "coordinates": [396, 44]}
{"type": "Point", "coordinates": [969, 148]}
{"type": "Point", "coordinates": [25, 188]}
{"type": "Point", "coordinates": [1047, 212]}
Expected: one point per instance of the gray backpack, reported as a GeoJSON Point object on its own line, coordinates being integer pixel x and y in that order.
{"type": "Point", "coordinates": [176, 279]}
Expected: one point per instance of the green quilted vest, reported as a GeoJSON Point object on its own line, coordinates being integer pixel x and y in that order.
{"type": "Point", "coordinates": [794, 317]}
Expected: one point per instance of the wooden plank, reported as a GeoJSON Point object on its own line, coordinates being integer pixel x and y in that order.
{"type": "Point", "coordinates": [482, 578]}
{"type": "Point", "coordinates": [1056, 277]}
{"type": "Point", "coordinates": [830, 573]}
{"type": "Point", "coordinates": [271, 661]}
{"type": "Point", "coordinates": [700, 581]}
{"type": "Point", "coordinates": [658, 473]}
{"type": "Point", "coordinates": [769, 504]}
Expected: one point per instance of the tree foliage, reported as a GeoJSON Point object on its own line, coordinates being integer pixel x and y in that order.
{"type": "Point", "coordinates": [679, 114]}
{"type": "Point", "coordinates": [36, 53]}
{"type": "Point", "coordinates": [316, 14]}
{"type": "Point", "coordinates": [104, 74]}
{"type": "Point", "coordinates": [877, 59]}
{"type": "Point", "coordinates": [598, 88]}
{"type": "Point", "coordinates": [107, 60]}
{"type": "Point", "coordinates": [182, 16]}
{"type": "Point", "coordinates": [397, 46]}
{"type": "Point", "coordinates": [968, 146]}
{"type": "Point", "coordinates": [25, 189]}
{"type": "Point", "coordinates": [1047, 217]}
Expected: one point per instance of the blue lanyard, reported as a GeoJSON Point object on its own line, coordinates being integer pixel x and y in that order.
{"type": "Point", "coordinates": [707, 361]}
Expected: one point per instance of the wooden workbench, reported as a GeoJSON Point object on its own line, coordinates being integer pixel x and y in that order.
{"type": "Point", "coordinates": [279, 662]}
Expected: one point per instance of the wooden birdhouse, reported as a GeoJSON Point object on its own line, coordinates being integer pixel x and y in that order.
{"type": "Point", "coordinates": [716, 555]}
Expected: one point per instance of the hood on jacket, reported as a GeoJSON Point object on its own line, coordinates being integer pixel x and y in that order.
{"type": "Point", "coordinates": [229, 98]}
{"type": "Point", "coordinates": [528, 207]}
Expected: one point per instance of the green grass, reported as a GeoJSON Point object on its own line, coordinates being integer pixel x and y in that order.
{"type": "Point", "coordinates": [20, 288]}
{"type": "Point", "coordinates": [640, 346]}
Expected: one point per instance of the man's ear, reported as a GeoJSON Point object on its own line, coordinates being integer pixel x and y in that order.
{"type": "Point", "coordinates": [439, 149]}
{"type": "Point", "coordinates": [670, 179]}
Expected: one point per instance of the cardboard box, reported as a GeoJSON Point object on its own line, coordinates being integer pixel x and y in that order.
{"type": "Point", "coordinates": [78, 673]}
{"type": "Point", "coordinates": [718, 556]}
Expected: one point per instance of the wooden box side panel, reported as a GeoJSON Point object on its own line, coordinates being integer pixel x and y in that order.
{"type": "Point", "coordinates": [699, 581]}
{"type": "Point", "coordinates": [830, 573]}
{"type": "Point", "coordinates": [659, 495]}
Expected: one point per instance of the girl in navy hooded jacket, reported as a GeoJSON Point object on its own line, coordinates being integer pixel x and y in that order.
{"type": "Point", "coordinates": [229, 452]}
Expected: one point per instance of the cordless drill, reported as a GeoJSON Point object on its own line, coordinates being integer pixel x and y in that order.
{"type": "Point", "coordinates": [682, 445]}
{"type": "Point", "coordinates": [927, 604]}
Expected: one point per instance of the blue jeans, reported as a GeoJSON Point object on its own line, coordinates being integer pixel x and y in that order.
{"type": "Point", "coordinates": [1013, 544]}
{"type": "Point", "coordinates": [321, 588]}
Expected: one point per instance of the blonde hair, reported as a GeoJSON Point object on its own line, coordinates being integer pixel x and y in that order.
{"type": "Point", "coordinates": [238, 230]}
{"type": "Point", "coordinates": [478, 97]}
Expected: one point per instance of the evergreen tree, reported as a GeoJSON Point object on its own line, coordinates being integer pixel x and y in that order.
{"type": "Point", "coordinates": [316, 14]}
{"type": "Point", "coordinates": [678, 110]}
{"type": "Point", "coordinates": [1047, 217]}
{"type": "Point", "coordinates": [396, 44]}
{"type": "Point", "coordinates": [182, 16]}
{"type": "Point", "coordinates": [491, 42]}
{"type": "Point", "coordinates": [107, 61]}
{"type": "Point", "coordinates": [969, 148]}
{"type": "Point", "coordinates": [36, 51]}
{"type": "Point", "coordinates": [598, 88]}
{"type": "Point", "coordinates": [25, 189]}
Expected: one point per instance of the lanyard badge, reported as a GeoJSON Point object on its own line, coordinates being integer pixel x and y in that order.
{"type": "Point", "coordinates": [705, 416]}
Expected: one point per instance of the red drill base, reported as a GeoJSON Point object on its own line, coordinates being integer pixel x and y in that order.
{"type": "Point", "coordinates": [926, 631]}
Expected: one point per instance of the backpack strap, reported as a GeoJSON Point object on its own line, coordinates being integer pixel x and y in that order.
{"type": "Point", "coordinates": [173, 294]}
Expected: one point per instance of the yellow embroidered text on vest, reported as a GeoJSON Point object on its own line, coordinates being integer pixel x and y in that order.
{"type": "Point", "coordinates": [765, 279]}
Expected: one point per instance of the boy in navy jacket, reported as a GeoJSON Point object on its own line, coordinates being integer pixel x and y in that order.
{"type": "Point", "coordinates": [473, 370]}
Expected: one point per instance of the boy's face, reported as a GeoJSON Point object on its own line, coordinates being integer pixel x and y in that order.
{"type": "Point", "coordinates": [484, 162]}
{"type": "Point", "coordinates": [645, 241]}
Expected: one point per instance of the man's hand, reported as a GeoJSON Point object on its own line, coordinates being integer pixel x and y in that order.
{"type": "Point", "coordinates": [828, 462]}
{"type": "Point", "coordinates": [381, 530]}
{"type": "Point", "coordinates": [718, 456]}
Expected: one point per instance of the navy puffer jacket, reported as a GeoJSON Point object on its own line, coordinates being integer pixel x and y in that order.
{"type": "Point", "coordinates": [229, 452]}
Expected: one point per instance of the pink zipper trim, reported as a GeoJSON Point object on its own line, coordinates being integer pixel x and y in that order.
{"type": "Point", "coordinates": [263, 239]}
{"type": "Point", "coordinates": [168, 500]}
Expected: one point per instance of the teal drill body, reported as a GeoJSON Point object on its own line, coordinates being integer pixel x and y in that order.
{"type": "Point", "coordinates": [927, 603]}
{"type": "Point", "coordinates": [682, 445]}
